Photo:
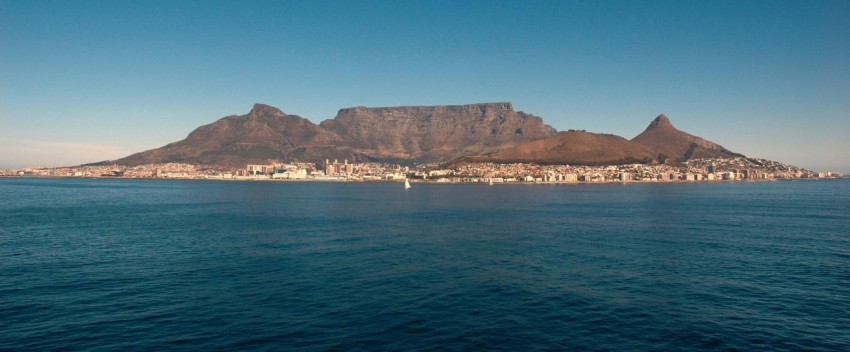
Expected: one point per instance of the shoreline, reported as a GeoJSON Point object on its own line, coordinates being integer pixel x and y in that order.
{"type": "Point", "coordinates": [413, 181]}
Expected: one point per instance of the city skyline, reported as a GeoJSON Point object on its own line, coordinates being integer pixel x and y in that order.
{"type": "Point", "coordinates": [89, 81]}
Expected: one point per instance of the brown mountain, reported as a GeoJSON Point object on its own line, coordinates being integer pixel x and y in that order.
{"type": "Point", "coordinates": [491, 132]}
{"type": "Point", "coordinates": [572, 147]}
{"type": "Point", "coordinates": [677, 146]}
{"type": "Point", "coordinates": [660, 142]}
{"type": "Point", "coordinates": [434, 133]}
{"type": "Point", "coordinates": [421, 133]}
{"type": "Point", "coordinates": [265, 133]}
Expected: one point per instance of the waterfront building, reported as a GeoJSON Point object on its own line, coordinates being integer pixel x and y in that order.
{"type": "Point", "coordinates": [255, 170]}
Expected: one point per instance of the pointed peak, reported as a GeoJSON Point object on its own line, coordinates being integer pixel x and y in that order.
{"type": "Point", "coordinates": [263, 109]}
{"type": "Point", "coordinates": [661, 121]}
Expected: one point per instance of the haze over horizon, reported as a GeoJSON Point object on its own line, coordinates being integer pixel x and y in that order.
{"type": "Point", "coordinates": [94, 80]}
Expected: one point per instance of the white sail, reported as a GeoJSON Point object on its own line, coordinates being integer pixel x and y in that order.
{"type": "Point", "coordinates": [406, 184]}
{"type": "Point", "coordinates": [491, 182]}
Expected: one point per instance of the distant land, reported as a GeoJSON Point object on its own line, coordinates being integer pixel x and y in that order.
{"type": "Point", "coordinates": [660, 143]}
{"type": "Point", "coordinates": [489, 142]}
{"type": "Point", "coordinates": [406, 134]}
{"type": "Point", "coordinates": [486, 132]}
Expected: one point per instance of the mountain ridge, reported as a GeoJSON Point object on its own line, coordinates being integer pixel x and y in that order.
{"type": "Point", "coordinates": [486, 132]}
{"type": "Point", "coordinates": [572, 147]}
{"type": "Point", "coordinates": [422, 133]}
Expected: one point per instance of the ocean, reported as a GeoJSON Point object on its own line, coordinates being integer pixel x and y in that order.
{"type": "Point", "coordinates": [115, 264]}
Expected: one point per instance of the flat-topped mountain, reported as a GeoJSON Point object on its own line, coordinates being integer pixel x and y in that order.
{"type": "Point", "coordinates": [678, 146]}
{"type": "Point", "coordinates": [421, 133]}
{"type": "Point", "coordinates": [434, 133]}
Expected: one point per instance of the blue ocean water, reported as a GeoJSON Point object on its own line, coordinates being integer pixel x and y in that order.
{"type": "Point", "coordinates": [195, 265]}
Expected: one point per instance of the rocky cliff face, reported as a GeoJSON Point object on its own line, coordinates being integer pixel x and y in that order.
{"type": "Point", "coordinates": [434, 133]}
{"type": "Point", "coordinates": [677, 146]}
{"type": "Point", "coordinates": [421, 133]}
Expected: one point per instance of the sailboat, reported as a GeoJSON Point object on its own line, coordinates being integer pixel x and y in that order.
{"type": "Point", "coordinates": [491, 182]}
{"type": "Point", "coordinates": [406, 184]}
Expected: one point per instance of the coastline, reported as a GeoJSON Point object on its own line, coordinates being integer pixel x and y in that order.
{"type": "Point", "coordinates": [696, 170]}
{"type": "Point", "coordinates": [415, 181]}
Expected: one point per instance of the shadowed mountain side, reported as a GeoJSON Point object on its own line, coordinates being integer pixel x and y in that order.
{"type": "Point", "coordinates": [434, 133]}
{"type": "Point", "coordinates": [662, 137]}
{"type": "Point", "coordinates": [573, 147]}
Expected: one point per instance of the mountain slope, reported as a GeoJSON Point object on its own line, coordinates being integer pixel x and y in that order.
{"type": "Point", "coordinates": [677, 146]}
{"type": "Point", "coordinates": [572, 147]}
{"type": "Point", "coordinates": [265, 133]}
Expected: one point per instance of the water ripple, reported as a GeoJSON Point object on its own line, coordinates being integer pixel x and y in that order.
{"type": "Point", "coordinates": [148, 265]}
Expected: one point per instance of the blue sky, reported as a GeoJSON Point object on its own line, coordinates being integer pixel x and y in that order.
{"type": "Point", "coordinates": [84, 81]}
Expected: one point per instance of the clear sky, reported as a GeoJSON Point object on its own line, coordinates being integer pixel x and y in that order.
{"type": "Point", "coordinates": [84, 81]}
